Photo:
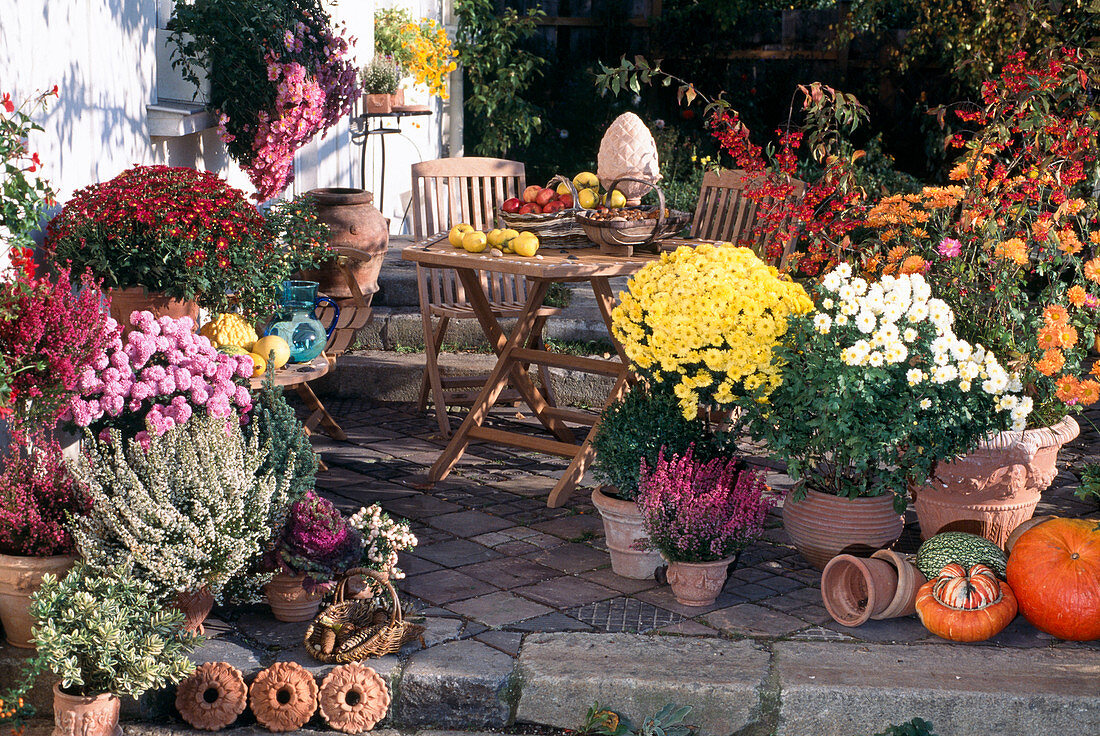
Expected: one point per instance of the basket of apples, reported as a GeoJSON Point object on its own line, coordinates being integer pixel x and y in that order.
{"type": "Point", "coordinates": [548, 212]}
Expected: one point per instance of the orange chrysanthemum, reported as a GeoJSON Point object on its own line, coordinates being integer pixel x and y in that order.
{"type": "Point", "coordinates": [1067, 389]}
{"type": "Point", "coordinates": [919, 233]}
{"type": "Point", "coordinates": [1068, 242]}
{"type": "Point", "coordinates": [896, 253]}
{"type": "Point", "coordinates": [913, 264]}
{"type": "Point", "coordinates": [1056, 314]}
{"type": "Point", "coordinates": [1051, 362]}
{"type": "Point", "coordinates": [888, 235]}
{"type": "Point", "coordinates": [1088, 392]}
{"type": "Point", "coordinates": [1095, 370]}
{"type": "Point", "coordinates": [1076, 296]}
{"type": "Point", "coordinates": [1012, 249]}
{"type": "Point", "coordinates": [1094, 237]}
{"type": "Point", "coordinates": [1049, 337]}
{"type": "Point", "coordinates": [1092, 270]}
{"type": "Point", "coordinates": [1040, 228]}
{"type": "Point", "coordinates": [1067, 335]}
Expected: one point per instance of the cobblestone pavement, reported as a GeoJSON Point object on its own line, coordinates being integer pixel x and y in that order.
{"type": "Point", "coordinates": [494, 559]}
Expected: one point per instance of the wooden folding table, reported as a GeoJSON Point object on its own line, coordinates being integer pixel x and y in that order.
{"type": "Point", "coordinates": [513, 355]}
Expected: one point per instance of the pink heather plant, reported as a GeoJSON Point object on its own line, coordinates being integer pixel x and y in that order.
{"type": "Point", "coordinates": [37, 496]}
{"type": "Point", "coordinates": [161, 375]}
{"type": "Point", "coordinates": [702, 512]}
{"type": "Point", "coordinates": [316, 541]}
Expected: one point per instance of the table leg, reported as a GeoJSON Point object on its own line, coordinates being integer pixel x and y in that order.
{"type": "Point", "coordinates": [319, 414]}
{"type": "Point", "coordinates": [498, 378]}
{"type": "Point", "coordinates": [519, 377]}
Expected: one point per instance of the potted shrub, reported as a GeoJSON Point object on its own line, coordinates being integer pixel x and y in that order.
{"type": "Point", "coordinates": [876, 388]}
{"type": "Point", "coordinates": [315, 545]}
{"type": "Point", "coordinates": [381, 79]}
{"type": "Point", "coordinates": [106, 635]}
{"type": "Point", "coordinates": [172, 239]}
{"type": "Point", "coordinates": [1011, 246]}
{"type": "Point", "coordinates": [632, 431]}
{"type": "Point", "coordinates": [184, 507]}
{"type": "Point", "coordinates": [699, 515]}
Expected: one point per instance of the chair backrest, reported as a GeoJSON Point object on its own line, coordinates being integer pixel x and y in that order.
{"type": "Point", "coordinates": [448, 191]}
{"type": "Point", "coordinates": [724, 213]}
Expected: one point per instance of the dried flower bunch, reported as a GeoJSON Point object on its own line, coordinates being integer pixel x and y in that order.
{"type": "Point", "coordinates": [157, 378]}
{"type": "Point", "coordinates": [187, 512]}
{"type": "Point", "coordinates": [104, 631]}
{"type": "Point", "coordinates": [316, 541]}
{"type": "Point", "coordinates": [702, 511]}
{"type": "Point", "coordinates": [188, 234]}
{"type": "Point", "coordinates": [383, 537]}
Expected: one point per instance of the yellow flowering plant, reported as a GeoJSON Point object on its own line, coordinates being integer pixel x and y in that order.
{"type": "Point", "coordinates": [430, 55]}
{"type": "Point", "coordinates": [1013, 242]}
{"type": "Point", "coordinates": [705, 321]}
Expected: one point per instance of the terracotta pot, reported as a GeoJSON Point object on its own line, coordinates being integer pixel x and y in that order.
{"type": "Point", "coordinates": [991, 491]}
{"type": "Point", "coordinates": [212, 696]}
{"type": "Point", "coordinates": [353, 698]}
{"type": "Point", "coordinates": [904, 602]}
{"type": "Point", "coordinates": [196, 606]}
{"type": "Point", "coordinates": [622, 526]}
{"type": "Point", "coordinates": [1023, 527]}
{"type": "Point", "coordinates": [77, 715]}
{"type": "Point", "coordinates": [397, 99]}
{"type": "Point", "coordinates": [697, 583]}
{"type": "Point", "coordinates": [822, 525]}
{"type": "Point", "coordinates": [283, 697]}
{"type": "Point", "coordinates": [853, 588]}
{"type": "Point", "coordinates": [353, 222]}
{"type": "Point", "coordinates": [289, 600]}
{"type": "Point", "coordinates": [138, 298]}
{"type": "Point", "coordinates": [378, 103]}
{"type": "Point", "coordinates": [20, 577]}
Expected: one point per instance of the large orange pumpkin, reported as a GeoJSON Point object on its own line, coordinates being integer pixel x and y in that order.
{"type": "Point", "coordinates": [966, 605]}
{"type": "Point", "coordinates": [1054, 569]}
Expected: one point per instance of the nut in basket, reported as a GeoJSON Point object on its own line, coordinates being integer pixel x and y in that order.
{"type": "Point", "coordinates": [619, 231]}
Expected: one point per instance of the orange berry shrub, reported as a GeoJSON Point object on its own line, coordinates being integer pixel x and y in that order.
{"type": "Point", "coordinates": [1012, 244]}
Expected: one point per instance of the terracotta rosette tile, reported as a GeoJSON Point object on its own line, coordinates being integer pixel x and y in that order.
{"type": "Point", "coordinates": [353, 698]}
{"type": "Point", "coordinates": [212, 697]}
{"type": "Point", "coordinates": [283, 697]}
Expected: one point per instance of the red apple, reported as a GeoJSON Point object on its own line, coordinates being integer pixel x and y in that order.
{"type": "Point", "coordinates": [566, 200]}
{"type": "Point", "coordinates": [512, 204]}
{"type": "Point", "coordinates": [544, 196]}
{"type": "Point", "coordinates": [530, 209]}
{"type": "Point", "coordinates": [530, 193]}
{"type": "Point", "coordinates": [552, 206]}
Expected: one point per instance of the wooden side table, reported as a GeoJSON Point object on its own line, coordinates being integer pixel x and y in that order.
{"type": "Point", "coordinates": [297, 376]}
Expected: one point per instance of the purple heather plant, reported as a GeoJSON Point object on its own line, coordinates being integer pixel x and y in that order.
{"type": "Point", "coordinates": [702, 512]}
{"type": "Point", "coordinates": [316, 541]}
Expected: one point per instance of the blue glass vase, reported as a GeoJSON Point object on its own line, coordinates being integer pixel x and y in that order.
{"type": "Point", "coordinates": [296, 320]}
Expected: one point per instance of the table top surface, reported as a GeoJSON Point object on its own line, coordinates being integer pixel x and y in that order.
{"type": "Point", "coordinates": [294, 373]}
{"type": "Point", "coordinates": [560, 264]}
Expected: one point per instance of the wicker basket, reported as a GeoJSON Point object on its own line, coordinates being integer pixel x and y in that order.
{"type": "Point", "coordinates": [621, 238]}
{"type": "Point", "coordinates": [556, 230]}
{"type": "Point", "coordinates": [349, 631]}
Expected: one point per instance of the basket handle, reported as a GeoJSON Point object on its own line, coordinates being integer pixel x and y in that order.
{"type": "Point", "coordinates": [363, 572]}
{"type": "Point", "coordinates": [660, 210]}
{"type": "Point", "coordinates": [569, 183]}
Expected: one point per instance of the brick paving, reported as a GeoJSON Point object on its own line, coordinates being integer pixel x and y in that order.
{"type": "Point", "coordinates": [492, 556]}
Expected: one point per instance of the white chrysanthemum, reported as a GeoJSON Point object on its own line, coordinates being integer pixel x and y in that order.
{"type": "Point", "coordinates": [843, 270]}
{"type": "Point", "coordinates": [964, 386]}
{"type": "Point", "coordinates": [917, 313]}
{"type": "Point", "coordinates": [914, 376]}
{"type": "Point", "coordinates": [841, 320]}
{"type": "Point", "coordinates": [831, 281]}
{"type": "Point", "coordinates": [847, 293]}
{"type": "Point", "coordinates": [969, 370]}
{"type": "Point", "coordinates": [909, 335]}
{"type": "Point", "coordinates": [865, 321]}
{"type": "Point", "coordinates": [849, 308]}
{"type": "Point", "coordinates": [961, 350]}
{"type": "Point", "coordinates": [827, 303]}
{"type": "Point", "coordinates": [941, 358]}
{"type": "Point", "coordinates": [939, 313]}
{"type": "Point", "coordinates": [925, 404]}
{"type": "Point", "coordinates": [921, 290]}
{"type": "Point", "coordinates": [944, 373]}
{"type": "Point", "coordinates": [1015, 385]}
{"type": "Point", "coordinates": [860, 285]}
{"type": "Point", "coordinates": [896, 352]}
{"type": "Point", "coordinates": [875, 359]}
{"type": "Point", "coordinates": [823, 323]}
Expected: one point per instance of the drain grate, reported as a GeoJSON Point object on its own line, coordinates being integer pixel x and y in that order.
{"type": "Point", "coordinates": [624, 614]}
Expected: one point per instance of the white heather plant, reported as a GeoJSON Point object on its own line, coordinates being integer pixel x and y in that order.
{"type": "Point", "coordinates": [383, 538]}
{"type": "Point", "coordinates": [187, 512]}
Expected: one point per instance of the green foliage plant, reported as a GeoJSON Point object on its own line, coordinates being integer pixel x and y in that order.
{"type": "Point", "coordinates": [1089, 490]}
{"type": "Point", "coordinates": [636, 427]}
{"type": "Point", "coordinates": [498, 73]}
{"type": "Point", "coordinates": [274, 425]}
{"type": "Point", "coordinates": [187, 511]}
{"type": "Point", "coordinates": [668, 721]}
{"type": "Point", "coordinates": [24, 196]}
{"type": "Point", "coordinates": [104, 631]}
{"type": "Point", "coordinates": [915, 727]}
{"type": "Point", "coordinates": [381, 76]}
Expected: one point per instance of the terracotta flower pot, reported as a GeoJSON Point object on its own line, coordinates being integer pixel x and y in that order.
{"type": "Point", "coordinates": [138, 298]}
{"type": "Point", "coordinates": [622, 527]}
{"type": "Point", "coordinates": [697, 583]}
{"type": "Point", "coordinates": [856, 589]}
{"type": "Point", "coordinates": [991, 491]}
{"type": "Point", "coordinates": [904, 602]}
{"type": "Point", "coordinates": [283, 697]}
{"type": "Point", "coordinates": [353, 698]}
{"type": "Point", "coordinates": [822, 526]}
{"type": "Point", "coordinates": [212, 697]}
{"type": "Point", "coordinates": [77, 715]}
{"type": "Point", "coordinates": [353, 222]}
{"type": "Point", "coordinates": [20, 578]}
{"type": "Point", "coordinates": [289, 600]}
{"type": "Point", "coordinates": [378, 103]}
{"type": "Point", "coordinates": [196, 606]}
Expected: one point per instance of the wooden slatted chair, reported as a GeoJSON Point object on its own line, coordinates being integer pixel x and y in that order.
{"type": "Point", "coordinates": [725, 215]}
{"type": "Point", "coordinates": [446, 192]}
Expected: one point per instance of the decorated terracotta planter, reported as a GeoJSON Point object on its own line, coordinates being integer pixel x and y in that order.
{"type": "Point", "coordinates": [283, 697]}
{"type": "Point", "coordinates": [379, 103]}
{"type": "Point", "coordinates": [822, 526]}
{"type": "Point", "coordinates": [697, 583]}
{"type": "Point", "coordinates": [855, 590]}
{"type": "Point", "coordinates": [77, 715]}
{"type": "Point", "coordinates": [289, 600]}
{"type": "Point", "coordinates": [353, 698]}
{"type": "Point", "coordinates": [138, 299]}
{"type": "Point", "coordinates": [196, 606]}
{"type": "Point", "coordinates": [622, 527]}
{"type": "Point", "coordinates": [212, 697]}
{"type": "Point", "coordinates": [353, 222]}
{"type": "Point", "coordinates": [991, 491]}
{"type": "Point", "coordinates": [20, 578]}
